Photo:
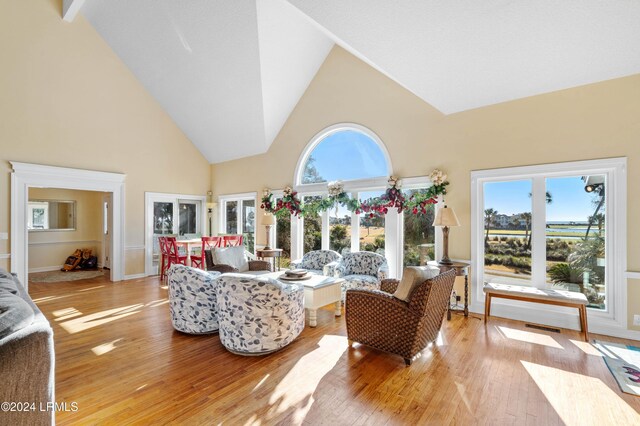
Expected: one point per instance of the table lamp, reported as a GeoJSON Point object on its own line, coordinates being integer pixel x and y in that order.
{"type": "Point", "coordinates": [445, 217]}
{"type": "Point", "coordinates": [268, 220]}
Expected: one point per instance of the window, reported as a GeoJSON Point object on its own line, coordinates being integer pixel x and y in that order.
{"type": "Point", "coordinates": [371, 232]}
{"type": "Point", "coordinates": [283, 237]}
{"type": "Point", "coordinates": [419, 234]}
{"type": "Point", "coordinates": [356, 156]}
{"type": "Point", "coordinates": [344, 154]}
{"type": "Point", "coordinates": [340, 229]}
{"type": "Point", "coordinates": [238, 216]}
{"type": "Point", "coordinates": [554, 226]}
{"type": "Point", "coordinates": [312, 230]}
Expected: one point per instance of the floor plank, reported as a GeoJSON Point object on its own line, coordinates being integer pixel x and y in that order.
{"type": "Point", "coordinates": [118, 357]}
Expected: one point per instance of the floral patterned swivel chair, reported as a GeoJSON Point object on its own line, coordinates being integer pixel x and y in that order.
{"type": "Point", "coordinates": [192, 300]}
{"type": "Point", "coordinates": [362, 270]}
{"type": "Point", "coordinates": [258, 315]}
{"type": "Point", "coordinates": [315, 261]}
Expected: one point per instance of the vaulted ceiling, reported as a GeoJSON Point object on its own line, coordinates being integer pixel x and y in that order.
{"type": "Point", "coordinates": [229, 73]}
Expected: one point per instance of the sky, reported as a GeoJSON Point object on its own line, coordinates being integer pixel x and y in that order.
{"type": "Point", "coordinates": [349, 155]}
{"type": "Point", "coordinates": [570, 201]}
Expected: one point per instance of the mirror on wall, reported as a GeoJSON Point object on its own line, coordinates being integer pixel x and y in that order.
{"type": "Point", "coordinates": [51, 215]}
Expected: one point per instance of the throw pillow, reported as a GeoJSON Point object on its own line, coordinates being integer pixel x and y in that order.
{"type": "Point", "coordinates": [15, 314]}
{"type": "Point", "coordinates": [412, 276]}
{"type": "Point", "coordinates": [232, 256]}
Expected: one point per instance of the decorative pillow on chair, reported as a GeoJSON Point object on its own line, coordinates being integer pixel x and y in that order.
{"type": "Point", "coordinates": [232, 256]}
{"type": "Point", "coordinates": [411, 277]}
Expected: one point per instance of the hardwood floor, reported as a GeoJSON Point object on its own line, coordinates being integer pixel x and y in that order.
{"type": "Point", "coordinates": [118, 357]}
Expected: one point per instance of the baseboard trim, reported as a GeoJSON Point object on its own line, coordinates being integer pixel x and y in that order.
{"type": "Point", "coordinates": [45, 269]}
{"type": "Point", "coordinates": [135, 276]}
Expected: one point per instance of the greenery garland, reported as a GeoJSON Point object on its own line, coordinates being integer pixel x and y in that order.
{"type": "Point", "coordinates": [393, 198]}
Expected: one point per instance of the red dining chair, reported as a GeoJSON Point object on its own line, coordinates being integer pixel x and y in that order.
{"type": "Point", "coordinates": [163, 257]}
{"type": "Point", "coordinates": [232, 240]}
{"type": "Point", "coordinates": [208, 243]}
{"type": "Point", "coordinates": [173, 255]}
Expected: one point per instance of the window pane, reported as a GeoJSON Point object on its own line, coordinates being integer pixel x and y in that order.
{"type": "Point", "coordinates": [162, 218]}
{"type": "Point", "coordinates": [347, 154]}
{"type": "Point", "coordinates": [576, 236]}
{"type": "Point", "coordinates": [162, 225]}
{"type": "Point", "coordinates": [231, 215]}
{"type": "Point", "coordinates": [283, 238]}
{"type": "Point", "coordinates": [312, 232]}
{"type": "Point", "coordinates": [248, 224]}
{"type": "Point", "coordinates": [340, 230]}
{"type": "Point", "coordinates": [188, 220]}
{"type": "Point", "coordinates": [419, 234]}
{"type": "Point", "coordinates": [371, 226]}
{"type": "Point", "coordinates": [507, 232]}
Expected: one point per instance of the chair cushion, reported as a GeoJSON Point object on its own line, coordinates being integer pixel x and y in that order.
{"type": "Point", "coordinates": [232, 256]}
{"type": "Point", "coordinates": [413, 276]}
{"type": "Point", "coordinates": [15, 314]}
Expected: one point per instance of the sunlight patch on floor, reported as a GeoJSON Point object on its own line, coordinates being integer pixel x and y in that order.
{"type": "Point", "coordinates": [65, 314]}
{"type": "Point", "coordinates": [580, 399]}
{"type": "Point", "coordinates": [528, 337]}
{"type": "Point", "coordinates": [302, 380]}
{"type": "Point", "coordinates": [586, 347]}
{"type": "Point", "coordinates": [49, 298]}
{"type": "Point", "coordinates": [99, 318]}
{"type": "Point", "coordinates": [155, 303]}
{"type": "Point", "coordinates": [90, 288]}
{"type": "Point", "coordinates": [105, 347]}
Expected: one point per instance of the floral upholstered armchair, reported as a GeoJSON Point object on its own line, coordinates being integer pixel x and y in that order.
{"type": "Point", "coordinates": [258, 315]}
{"type": "Point", "coordinates": [192, 300]}
{"type": "Point", "coordinates": [316, 261]}
{"type": "Point", "coordinates": [362, 270]}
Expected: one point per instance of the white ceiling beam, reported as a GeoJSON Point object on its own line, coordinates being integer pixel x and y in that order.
{"type": "Point", "coordinates": [70, 9]}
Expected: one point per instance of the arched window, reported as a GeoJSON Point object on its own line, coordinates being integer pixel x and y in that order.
{"type": "Point", "coordinates": [343, 152]}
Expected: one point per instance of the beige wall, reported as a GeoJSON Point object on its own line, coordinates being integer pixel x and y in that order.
{"type": "Point", "coordinates": [67, 100]}
{"type": "Point", "coordinates": [49, 249]}
{"type": "Point", "coordinates": [595, 121]}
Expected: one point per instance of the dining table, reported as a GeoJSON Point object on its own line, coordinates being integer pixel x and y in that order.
{"type": "Point", "coordinates": [189, 245]}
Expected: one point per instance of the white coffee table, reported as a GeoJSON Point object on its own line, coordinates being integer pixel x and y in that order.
{"type": "Point", "coordinates": [319, 291]}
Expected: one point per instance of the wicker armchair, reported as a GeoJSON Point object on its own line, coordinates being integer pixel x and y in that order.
{"type": "Point", "coordinates": [254, 265]}
{"type": "Point", "coordinates": [377, 319]}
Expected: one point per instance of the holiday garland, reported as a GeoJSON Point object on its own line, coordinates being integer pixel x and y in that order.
{"type": "Point", "coordinates": [393, 198]}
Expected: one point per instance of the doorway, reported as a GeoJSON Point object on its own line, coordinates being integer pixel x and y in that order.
{"type": "Point", "coordinates": [178, 215]}
{"type": "Point", "coordinates": [26, 175]}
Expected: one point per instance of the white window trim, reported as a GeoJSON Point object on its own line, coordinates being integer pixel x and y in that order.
{"type": "Point", "coordinates": [222, 210]}
{"type": "Point", "coordinates": [153, 197]}
{"type": "Point", "coordinates": [612, 322]}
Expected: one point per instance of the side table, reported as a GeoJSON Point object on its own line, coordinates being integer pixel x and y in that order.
{"type": "Point", "coordinates": [462, 270]}
{"type": "Point", "coordinates": [273, 253]}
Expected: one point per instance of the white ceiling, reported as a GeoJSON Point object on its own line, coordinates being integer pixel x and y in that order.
{"type": "Point", "coordinates": [230, 72]}
{"type": "Point", "coordinates": [227, 72]}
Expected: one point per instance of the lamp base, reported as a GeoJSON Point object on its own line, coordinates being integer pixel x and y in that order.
{"type": "Point", "coordinates": [266, 248]}
{"type": "Point", "coordinates": [446, 261]}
